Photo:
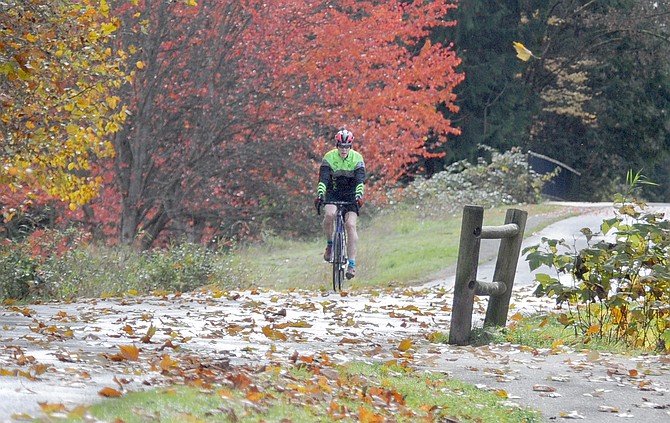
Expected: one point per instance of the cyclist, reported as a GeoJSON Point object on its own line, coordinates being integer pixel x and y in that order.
{"type": "Point", "coordinates": [342, 178]}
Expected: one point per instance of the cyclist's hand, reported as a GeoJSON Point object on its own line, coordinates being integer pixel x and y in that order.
{"type": "Point", "coordinates": [359, 202]}
{"type": "Point", "coordinates": [318, 202]}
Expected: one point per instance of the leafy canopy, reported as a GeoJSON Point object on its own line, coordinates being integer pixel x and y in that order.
{"type": "Point", "coordinates": [57, 77]}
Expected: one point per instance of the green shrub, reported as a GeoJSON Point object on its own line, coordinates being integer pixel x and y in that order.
{"type": "Point", "coordinates": [17, 273]}
{"type": "Point", "coordinates": [617, 288]}
{"type": "Point", "coordinates": [29, 273]}
{"type": "Point", "coordinates": [506, 179]}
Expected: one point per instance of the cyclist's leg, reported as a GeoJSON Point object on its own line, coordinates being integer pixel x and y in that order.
{"type": "Point", "coordinates": [329, 212]}
{"type": "Point", "coordinates": [328, 225]}
{"type": "Point", "coordinates": [352, 234]}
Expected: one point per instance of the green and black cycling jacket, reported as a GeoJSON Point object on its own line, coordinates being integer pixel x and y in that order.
{"type": "Point", "coordinates": [341, 177]}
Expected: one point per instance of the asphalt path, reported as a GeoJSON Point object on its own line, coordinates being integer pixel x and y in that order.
{"type": "Point", "coordinates": [56, 356]}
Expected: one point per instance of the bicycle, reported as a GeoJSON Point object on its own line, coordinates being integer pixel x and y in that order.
{"type": "Point", "coordinates": [339, 259]}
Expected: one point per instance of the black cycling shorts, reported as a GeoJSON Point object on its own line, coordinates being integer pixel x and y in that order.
{"type": "Point", "coordinates": [332, 196]}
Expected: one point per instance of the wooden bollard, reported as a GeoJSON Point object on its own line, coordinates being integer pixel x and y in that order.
{"type": "Point", "coordinates": [508, 257]}
{"type": "Point", "coordinates": [466, 285]}
{"type": "Point", "coordinates": [466, 271]}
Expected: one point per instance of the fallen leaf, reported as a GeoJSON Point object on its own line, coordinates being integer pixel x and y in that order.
{"type": "Point", "coordinates": [48, 408]}
{"type": "Point", "coordinates": [224, 393]}
{"type": "Point", "coordinates": [150, 333]}
{"type": "Point", "coordinates": [375, 351]}
{"type": "Point", "coordinates": [167, 363]}
{"type": "Point", "coordinates": [78, 412]}
{"type": "Point", "coordinates": [593, 356]}
{"type": "Point", "coordinates": [571, 415]}
{"type": "Point", "coordinates": [109, 392]}
{"type": "Point", "coordinates": [608, 409]}
{"type": "Point", "coordinates": [405, 345]}
{"type": "Point", "coordinates": [300, 324]}
{"type": "Point", "coordinates": [349, 341]}
{"type": "Point", "coordinates": [550, 395]}
{"type": "Point", "coordinates": [240, 380]}
{"type": "Point", "coordinates": [593, 330]}
{"type": "Point", "coordinates": [130, 352]}
{"type": "Point", "coordinates": [367, 416]}
{"type": "Point", "coordinates": [254, 395]}
{"type": "Point", "coordinates": [598, 393]}
{"type": "Point", "coordinates": [275, 335]}
{"type": "Point", "coordinates": [649, 404]}
{"type": "Point", "coordinates": [501, 393]}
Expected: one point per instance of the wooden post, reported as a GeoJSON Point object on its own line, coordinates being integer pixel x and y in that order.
{"type": "Point", "coordinates": [466, 285]}
{"type": "Point", "coordinates": [508, 257]}
{"type": "Point", "coordinates": [466, 273]}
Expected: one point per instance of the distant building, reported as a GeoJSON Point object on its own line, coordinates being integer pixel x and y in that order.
{"type": "Point", "coordinates": [564, 186]}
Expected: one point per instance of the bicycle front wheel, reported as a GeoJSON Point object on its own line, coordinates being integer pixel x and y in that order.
{"type": "Point", "coordinates": [339, 261]}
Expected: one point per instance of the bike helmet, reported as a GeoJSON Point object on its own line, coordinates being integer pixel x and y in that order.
{"type": "Point", "coordinates": [344, 138]}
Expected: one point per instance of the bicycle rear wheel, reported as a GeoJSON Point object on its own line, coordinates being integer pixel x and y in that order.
{"type": "Point", "coordinates": [338, 261]}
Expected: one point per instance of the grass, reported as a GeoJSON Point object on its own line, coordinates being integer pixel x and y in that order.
{"type": "Point", "coordinates": [359, 392]}
{"type": "Point", "coordinates": [395, 249]}
{"type": "Point", "coordinates": [544, 331]}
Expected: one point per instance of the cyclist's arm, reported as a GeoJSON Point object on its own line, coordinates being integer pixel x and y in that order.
{"type": "Point", "coordinates": [325, 175]}
{"type": "Point", "coordinates": [359, 178]}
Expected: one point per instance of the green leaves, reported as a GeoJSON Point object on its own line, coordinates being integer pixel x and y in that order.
{"type": "Point", "coordinates": [621, 285]}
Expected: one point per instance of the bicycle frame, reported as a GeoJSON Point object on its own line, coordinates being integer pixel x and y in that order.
{"type": "Point", "coordinates": [339, 238]}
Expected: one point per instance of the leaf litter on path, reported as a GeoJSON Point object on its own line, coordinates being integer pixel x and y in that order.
{"type": "Point", "coordinates": [113, 346]}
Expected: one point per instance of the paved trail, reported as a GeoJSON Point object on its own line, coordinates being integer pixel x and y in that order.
{"type": "Point", "coordinates": [67, 353]}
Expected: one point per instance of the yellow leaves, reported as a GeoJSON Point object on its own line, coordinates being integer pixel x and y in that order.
{"type": "Point", "coordinates": [83, 102]}
{"type": "Point", "coordinates": [112, 101]}
{"type": "Point", "coordinates": [593, 330]}
{"type": "Point", "coordinates": [94, 36]}
{"type": "Point", "coordinates": [324, 385]}
{"type": "Point", "coordinates": [139, 64]}
{"type": "Point", "coordinates": [104, 8]}
{"type": "Point", "coordinates": [522, 52]}
{"type": "Point", "coordinates": [72, 129]}
{"type": "Point", "coordinates": [108, 28]}
{"type": "Point", "coordinates": [516, 317]}
{"type": "Point", "coordinates": [60, 90]}
{"type": "Point", "coordinates": [167, 363]}
{"type": "Point", "coordinates": [501, 393]}
{"type": "Point", "coordinates": [405, 345]}
{"type": "Point", "coordinates": [273, 334]}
